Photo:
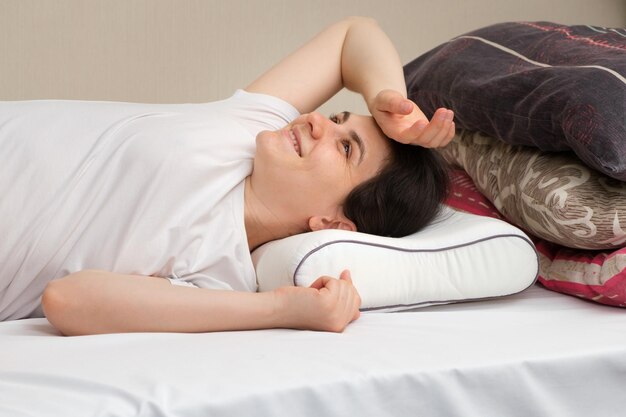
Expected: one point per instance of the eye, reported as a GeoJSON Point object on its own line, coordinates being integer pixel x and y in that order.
{"type": "Point", "coordinates": [347, 147]}
{"type": "Point", "coordinates": [345, 143]}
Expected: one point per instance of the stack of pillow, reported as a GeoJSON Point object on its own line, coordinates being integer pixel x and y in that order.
{"type": "Point", "coordinates": [541, 109]}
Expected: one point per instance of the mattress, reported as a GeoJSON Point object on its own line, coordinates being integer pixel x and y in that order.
{"type": "Point", "coordinates": [536, 353]}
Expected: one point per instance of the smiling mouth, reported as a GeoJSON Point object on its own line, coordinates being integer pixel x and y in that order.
{"type": "Point", "coordinates": [294, 140]}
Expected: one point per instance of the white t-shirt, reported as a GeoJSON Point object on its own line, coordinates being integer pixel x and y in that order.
{"type": "Point", "coordinates": [147, 189]}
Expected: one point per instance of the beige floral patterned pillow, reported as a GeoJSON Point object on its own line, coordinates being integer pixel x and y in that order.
{"type": "Point", "coordinates": [551, 195]}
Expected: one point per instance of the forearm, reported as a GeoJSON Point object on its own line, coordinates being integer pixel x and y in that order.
{"type": "Point", "coordinates": [94, 302]}
{"type": "Point", "coordinates": [369, 60]}
{"type": "Point", "coordinates": [370, 65]}
{"type": "Point", "coordinates": [353, 53]}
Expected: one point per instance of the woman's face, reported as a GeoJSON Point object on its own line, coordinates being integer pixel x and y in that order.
{"type": "Point", "coordinates": [311, 165]}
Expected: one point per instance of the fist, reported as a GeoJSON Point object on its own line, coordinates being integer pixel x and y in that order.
{"type": "Point", "coordinates": [329, 304]}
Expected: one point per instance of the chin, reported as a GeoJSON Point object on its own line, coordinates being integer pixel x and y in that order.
{"type": "Point", "coordinates": [264, 135]}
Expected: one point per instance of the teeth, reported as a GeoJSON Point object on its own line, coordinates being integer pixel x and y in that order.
{"type": "Point", "coordinates": [295, 142]}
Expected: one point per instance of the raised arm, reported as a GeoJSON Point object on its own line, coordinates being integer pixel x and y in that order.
{"type": "Point", "coordinates": [94, 302]}
{"type": "Point", "coordinates": [353, 53]}
{"type": "Point", "coordinates": [356, 54]}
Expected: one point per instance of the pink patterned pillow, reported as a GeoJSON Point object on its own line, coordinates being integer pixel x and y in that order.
{"type": "Point", "coordinates": [464, 196]}
{"type": "Point", "coordinates": [598, 276]}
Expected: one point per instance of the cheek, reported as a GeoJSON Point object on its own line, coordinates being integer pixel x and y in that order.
{"type": "Point", "coordinates": [331, 178]}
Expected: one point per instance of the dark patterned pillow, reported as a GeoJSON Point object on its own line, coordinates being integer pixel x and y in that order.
{"type": "Point", "coordinates": [540, 84]}
{"type": "Point", "coordinates": [552, 196]}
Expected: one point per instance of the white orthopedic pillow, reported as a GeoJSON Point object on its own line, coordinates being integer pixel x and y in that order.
{"type": "Point", "coordinates": [460, 257]}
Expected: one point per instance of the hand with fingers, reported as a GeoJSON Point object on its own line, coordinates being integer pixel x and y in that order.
{"type": "Point", "coordinates": [329, 304]}
{"type": "Point", "coordinates": [401, 119]}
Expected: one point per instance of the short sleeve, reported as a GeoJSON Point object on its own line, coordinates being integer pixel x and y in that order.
{"type": "Point", "coordinates": [199, 280]}
{"type": "Point", "coordinates": [257, 112]}
{"type": "Point", "coordinates": [179, 282]}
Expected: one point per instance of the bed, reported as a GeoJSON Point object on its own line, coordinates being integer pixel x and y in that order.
{"type": "Point", "coordinates": [553, 348]}
{"type": "Point", "coordinates": [537, 353]}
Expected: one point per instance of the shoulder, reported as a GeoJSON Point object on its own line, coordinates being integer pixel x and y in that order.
{"type": "Point", "coordinates": [257, 111]}
{"type": "Point", "coordinates": [264, 102]}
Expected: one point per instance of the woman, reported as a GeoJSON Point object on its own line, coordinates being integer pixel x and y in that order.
{"type": "Point", "coordinates": [144, 202]}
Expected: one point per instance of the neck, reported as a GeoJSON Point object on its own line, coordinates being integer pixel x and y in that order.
{"type": "Point", "coordinates": [262, 221]}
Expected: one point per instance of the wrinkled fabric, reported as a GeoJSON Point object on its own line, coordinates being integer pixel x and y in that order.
{"type": "Point", "coordinates": [542, 84]}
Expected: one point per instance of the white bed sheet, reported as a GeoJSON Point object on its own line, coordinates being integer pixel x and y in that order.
{"type": "Point", "coordinates": [537, 353]}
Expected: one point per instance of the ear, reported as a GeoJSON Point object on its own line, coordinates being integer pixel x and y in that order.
{"type": "Point", "coordinates": [340, 222]}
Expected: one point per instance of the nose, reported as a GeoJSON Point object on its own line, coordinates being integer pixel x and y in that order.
{"type": "Point", "coordinates": [319, 125]}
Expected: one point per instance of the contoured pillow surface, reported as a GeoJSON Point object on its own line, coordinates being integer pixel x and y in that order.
{"type": "Point", "coordinates": [459, 257]}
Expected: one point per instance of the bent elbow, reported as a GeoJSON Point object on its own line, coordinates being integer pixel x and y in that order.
{"type": "Point", "coordinates": [60, 302]}
{"type": "Point", "coordinates": [54, 302]}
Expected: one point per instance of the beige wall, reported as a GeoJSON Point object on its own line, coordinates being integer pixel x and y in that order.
{"type": "Point", "coordinates": [193, 50]}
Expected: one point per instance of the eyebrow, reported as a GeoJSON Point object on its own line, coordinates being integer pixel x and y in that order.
{"type": "Point", "coordinates": [355, 137]}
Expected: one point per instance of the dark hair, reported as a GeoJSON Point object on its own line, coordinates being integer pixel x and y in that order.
{"type": "Point", "coordinates": [404, 196]}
